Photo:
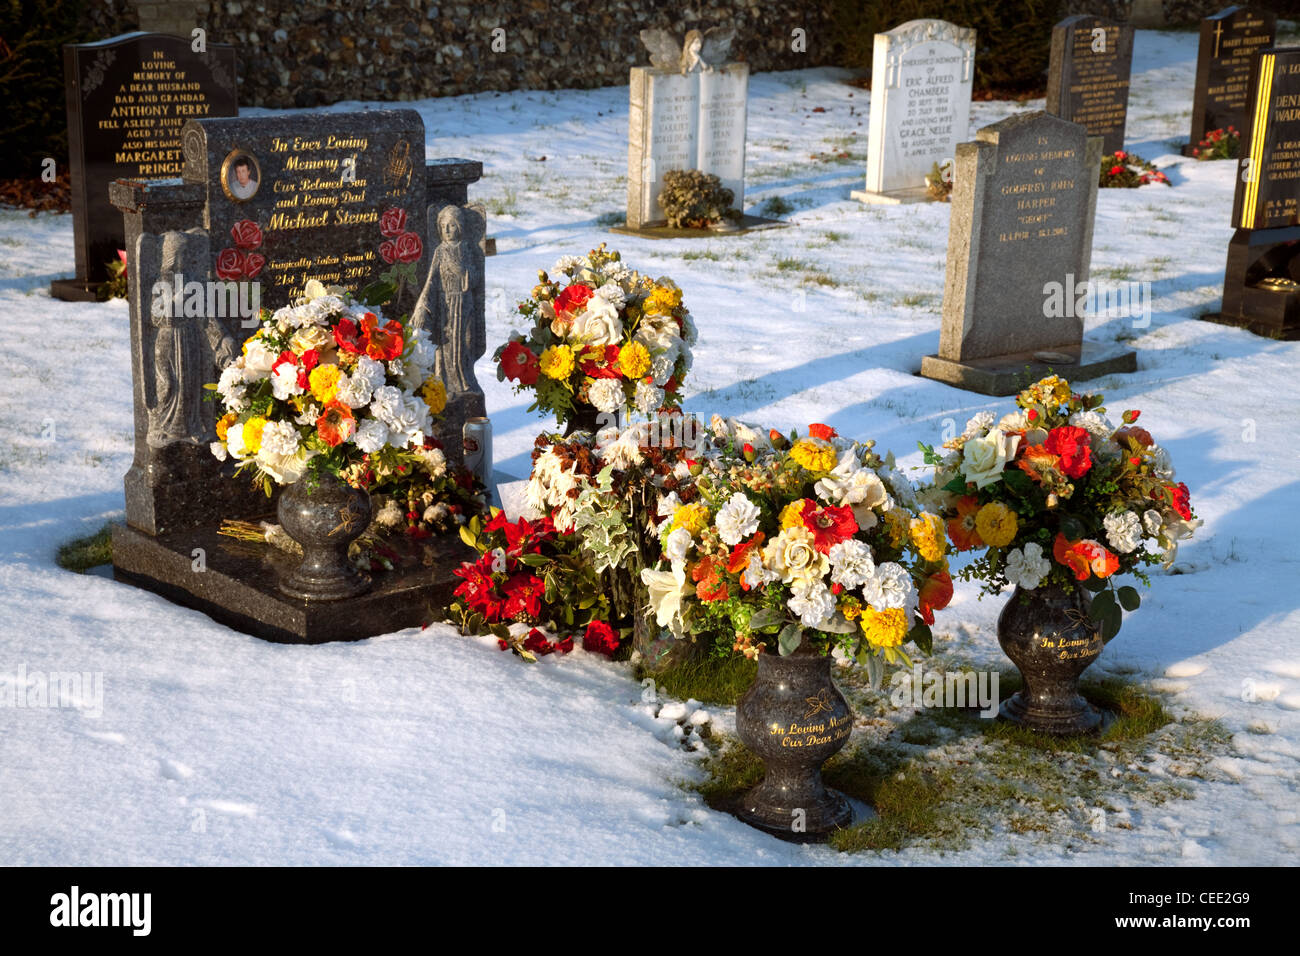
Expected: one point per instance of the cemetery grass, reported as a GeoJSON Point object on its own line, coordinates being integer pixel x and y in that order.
{"type": "Point", "coordinates": [945, 779]}
{"type": "Point", "coordinates": [92, 551]}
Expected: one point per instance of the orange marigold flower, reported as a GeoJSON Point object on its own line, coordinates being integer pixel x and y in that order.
{"type": "Point", "coordinates": [961, 529]}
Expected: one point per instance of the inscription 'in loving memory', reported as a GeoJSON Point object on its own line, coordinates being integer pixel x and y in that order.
{"type": "Point", "coordinates": [1035, 206]}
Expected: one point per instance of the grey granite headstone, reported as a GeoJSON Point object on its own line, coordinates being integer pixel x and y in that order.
{"type": "Point", "coordinates": [213, 229]}
{"type": "Point", "coordinates": [1023, 203]}
{"type": "Point", "coordinates": [1088, 76]}
{"type": "Point", "coordinates": [922, 74]}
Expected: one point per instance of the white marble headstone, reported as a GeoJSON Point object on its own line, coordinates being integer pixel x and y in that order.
{"type": "Point", "coordinates": [921, 78]}
{"type": "Point", "coordinates": [684, 121]}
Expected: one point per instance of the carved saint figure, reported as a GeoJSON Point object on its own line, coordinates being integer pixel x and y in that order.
{"type": "Point", "coordinates": [698, 53]}
{"type": "Point", "coordinates": [451, 305]}
{"type": "Point", "coordinates": [183, 345]}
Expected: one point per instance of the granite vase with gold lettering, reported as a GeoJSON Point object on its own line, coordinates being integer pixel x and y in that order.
{"type": "Point", "coordinates": [324, 517]}
{"type": "Point", "coordinates": [1049, 636]}
{"type": "Point", "coordinates": [795, 719]}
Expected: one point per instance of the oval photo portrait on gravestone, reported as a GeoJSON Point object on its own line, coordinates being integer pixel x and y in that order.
{"type": "Point", "coordinates": [241, 176]}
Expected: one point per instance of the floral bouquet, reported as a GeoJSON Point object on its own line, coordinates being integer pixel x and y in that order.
{"type": "Point", "coordinates": [812, 539]}
{"type": "Point", "coordinates": [604, 339]}
{"type": "Point", "coordinates": [329, 386]}
{"type": "Point", "coordinates": [1218, 144]}
{"type": "Point", "coordinates": [1057, 495]}
{"type": "Point", "coordinates": [1128, 171]}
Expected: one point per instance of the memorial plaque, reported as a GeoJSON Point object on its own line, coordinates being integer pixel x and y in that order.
{"type": "Point", "coordinates": [1229, 41]}
{"type": "Point", "coordinates": [678, 120]}
{"type": "Point", "coordinates": [921, 79]}
{"type": "Point", "coordinates": [340, 199]}
{"type": "Point", "coordinates": [1088, 78]}
{"type": "Point", "coordinates": [1268, 191]}
{"type": "Point", "coordinates": [1023, 204]}
{"type": "Point", "coordinates": [127, 98]}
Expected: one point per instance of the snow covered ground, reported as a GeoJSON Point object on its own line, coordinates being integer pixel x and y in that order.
{"type": "Point", "coordinates": [425, 747]}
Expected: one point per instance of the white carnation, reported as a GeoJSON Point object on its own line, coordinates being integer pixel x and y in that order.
{"type": "Point", "coordinates": [613, 293]}
{"type": "Point", "coordinates": [386, 403]}
{"type": "Point", "coordinates": [891, 586]}
{"type": "Point", "coordinates": [756, 573]}
{"type": "Point", "coordinates": [280, 438]}
{"type": "Point", "coordinates": [258, 360]}
{"type": "Point", "coordinates": [851, 563]}
{"type": "Point", "coordinates": [372, 371]}
{"type": "Point", "coordinates": [812, 601]}
{"type": "Point", "coordinates": [354, 391]}
{"type": "Point", "coordinates": [1123, 531]}
{"type": "Point", "coordinates": [284, 382]}
{"type": "Point", "coordinates": [371, 435]}
{"type": "Point", "coordinates": [737, 519]}
{"type": "Point", "coordinates": [1026, 568]}
{"type": "Point", "coordinates": [308, 417]}
{"type": "Point", "coordinates": [649, 398]}
{"type": "Point", "coordinates": [606, 394]}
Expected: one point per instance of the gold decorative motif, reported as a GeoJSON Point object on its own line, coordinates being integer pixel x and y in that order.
{"type": "Point", "coordinates": [398, 171]}
{"type": "Point", "coordinates": [822, 702]}
{"type": "Point", "coordinates": [349, 515]}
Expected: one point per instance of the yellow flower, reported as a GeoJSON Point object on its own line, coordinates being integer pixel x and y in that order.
{"type": "Point", "coordinates": [887, 628]}
{"type": "Point", "coordinates": [927, 535]}
{"type": "Point", "coordinates": [996, 524]}
{"type": "Point", "coordinates": [324, 382]}
{"type": "Point", "coordinates": [898, 524]}
{"type": "Point", "coordinates": [792, 514]}
{"type": "Point", "coordinates": [434, 394]}
{"type": "Point", "coordinates": [557, 362]}
{"type": "Point", "coordinates": [662, 301]}
{"type": "Point", "coordinates": [1050, 391]}
{"type": "Point", "coordinates": [253, 434]}
{"type": "Point", "coordinates": [850, 607]}
{"type": "Point", "coordinates": [815, 454]}
{"type": "Point", "coordinates": [224, 423]}
{"type": "Point", "coordinates": [694, 517]}
{"type": "Point", "coordinates": [634, 360]}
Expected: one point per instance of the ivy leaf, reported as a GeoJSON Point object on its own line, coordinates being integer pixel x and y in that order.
{"type": "Point", "coordinates": [790, 638]}
{"type": "Point", "coordinates": [923, 637]}
{"type": "Point", "coordinates": [1129, 598]}
{"type": "Point", "coordinates": [1102, 605]}
{"type": "Point", "coordinates": [931, 457]}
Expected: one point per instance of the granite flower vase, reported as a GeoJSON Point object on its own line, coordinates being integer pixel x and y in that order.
{"type": "Point", "coordinates": [581, 419]}
{"type": "Point", "coordinates": [794, 719]}
{"type": "Point", "coordinates": [324, 517]}
{"type": "Point", "coordinates": [1050, 638]}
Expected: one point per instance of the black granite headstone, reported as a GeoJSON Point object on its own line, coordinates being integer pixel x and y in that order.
{"type": "Point", "coordinates": [1229, 41]}
{"type": "Point", "coordinates": [127, 98]}
{"type": "Point", "coordinates": [1088, 77]}
{"type": "Point", "coordinates": [1260, 287]}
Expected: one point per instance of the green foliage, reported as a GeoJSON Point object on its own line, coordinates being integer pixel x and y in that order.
{"type": "Point", "coordinates": [1218, 144]}
{"type": "Point", "coordinates": [115, 287]}
{"type": "Point", "coordinates": [692, 199]}
{"type": "Point", "coordinates": [1012, 37]}
{"type": "Point", "coordinates": [32, 34]}
{"type": "Point", "coordinates": [82, 554]}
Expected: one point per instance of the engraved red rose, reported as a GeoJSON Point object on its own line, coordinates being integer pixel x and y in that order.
{"type": "Point", "coordinates": [247, 234]}
{"type": "Point", "coordinates": [253, 263]}
{"type": "Point", "coordinates": [230, 264]}
{"type": "Point", "coordinates": [388, 250]}
{"type": "Point", "coordinates": [393, 222]}
{"type": "Point", "coordinates": [409, 248]}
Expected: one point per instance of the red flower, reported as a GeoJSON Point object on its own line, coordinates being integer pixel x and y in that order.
{"type": "Point", "coordinates": [603, 362]}
{"type": "Point", "coordinates": [247, 234]}
{"type": "Point", "coordinates": [348, 337]}
{"type": "Point", "coordinates": [709, 585]}
{"type": "Point", "coordinates": [382, 343]}
{"type": "Point", "coordinates": [1084, 558]}
{"type": "Point", "coordinates": [253, 263]}
{"type": "Point", "coordinates": [537, 643]}
{"type": "Point", "coordinates": [1116, 170]}
{"type": "Point", "coordinates": [479, 591]}
{"type": "Point", "coordinates": [600, 639]}
{"type": "Point", "coordinates": [1073, 445]}
{"type": "Point", "coordinates": [393, 222]}
{"type": "Point", "coordinates": [829, 525]}
{"type": "Point", "coordinates": [520, 364]}
{"type": "Point", "coordinates": [1120, 154]}
{"type": "Point", "coordinates": [1180, 499]}
{"type": "Point", "coordinates": [336, 424]}
{"type": "Point", "coordinates": [739, 559]}
{"type": "Point", "coordinates": [388, 251]}
{"type": "Point", "coordinates": [564, 646]}
{"type": "Point", "coordinates": [824, 432]}
{"type": "Point", "coordinates": [934, 595]}
{"type": "Point", "coordinates": [230, 264]}
{"type": "Point", "coordinates": [572, 298]}
{"type": "Point", "coordinates": [524, 595]}
{"type": "Point", "coordinates": [408, 247]}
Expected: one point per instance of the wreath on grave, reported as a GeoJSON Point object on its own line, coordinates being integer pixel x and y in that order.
{"type": "Point", "coordinates": [1128, 171]}
{"type": "Point", "coordinates": [693, 199]}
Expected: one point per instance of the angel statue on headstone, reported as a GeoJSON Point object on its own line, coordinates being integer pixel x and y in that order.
{"type": "Point", "coordinates": [698, 53]}
{"type": "Point", "coordinates": [184, 346]}
{"type": "Point", "coordinates": [451, 306]}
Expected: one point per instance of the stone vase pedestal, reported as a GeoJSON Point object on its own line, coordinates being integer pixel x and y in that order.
{"type": "Point", "coordinates": [324, 519]}
{"type": "Point", "coordinates": [795, 719]}
{"type": "Point", "coordinates": [1049, 636]}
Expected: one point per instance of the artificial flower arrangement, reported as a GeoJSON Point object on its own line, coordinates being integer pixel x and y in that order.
{"type": "Point", "coordinates": [579, 547]}
{"type": "Point", "coordinates": [1128, 171]}
{"type": "Point", "coordinates": [604, 339]}
{"type": "Point", "coordinates": [1218, 144]}
{"type": "Point", "coordinates": [1056, 495]}
{"type": "Point", "coordinates": [780, 541]}
{"type": "Point", "coordinates": [329, 385]}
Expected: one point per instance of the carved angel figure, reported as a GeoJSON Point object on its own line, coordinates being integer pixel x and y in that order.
{"type": "Point", "coordinates": [451, 305]}
{"type": "Point", "coordinates": [698, 53]}
{"type": "Point", "coordinates": [187, 349]}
